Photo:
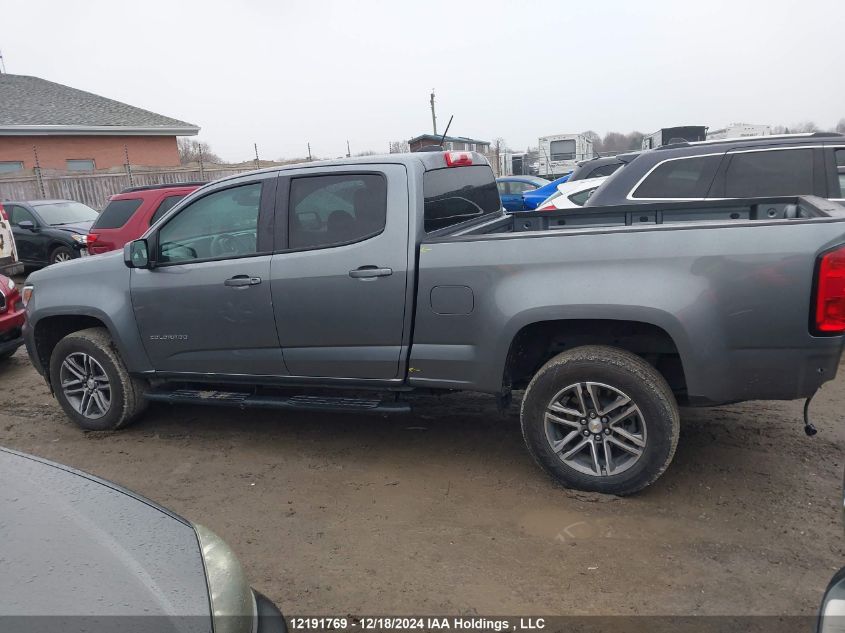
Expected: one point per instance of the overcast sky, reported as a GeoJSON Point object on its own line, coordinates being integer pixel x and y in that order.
{"type": "Point", "coordinates": [283, 73]}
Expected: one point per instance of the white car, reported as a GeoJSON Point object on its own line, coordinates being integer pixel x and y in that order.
{"type": "Point", "coordinates": [9, 263]}
{"type": "Point", "coordinates": [571, 195]}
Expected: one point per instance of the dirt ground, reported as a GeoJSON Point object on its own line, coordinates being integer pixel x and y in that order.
{"type": "Point", "coordinates": [443, 511]}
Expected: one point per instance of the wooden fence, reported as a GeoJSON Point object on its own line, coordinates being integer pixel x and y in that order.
{"type": "Point", "coordinates": [95, 189]}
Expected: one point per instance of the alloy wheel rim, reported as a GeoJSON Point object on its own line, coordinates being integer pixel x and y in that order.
{"type": "Point", "coordinates": [85, 385]}
{"type": "Point", "coordinates": [595, 429]}
{"type": "Point", "coordinates": [62, 257]}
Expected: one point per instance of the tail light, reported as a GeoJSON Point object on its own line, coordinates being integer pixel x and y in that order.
{"type": "Point", "coordinates": [830, 292]}
{"type": "Point", "coordinates": [548, 207]}
{"type": "Point", "coordinates": [3, 214]}
{"type": "Point", "coordinates": [458, 159]}
{"type": "Point", "coordinates": [92, 238]}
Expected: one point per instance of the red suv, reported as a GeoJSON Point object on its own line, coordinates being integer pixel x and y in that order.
{"type": "Point", "coordinates": [130, 213]}
{"type": "Point", "coordinates": [11, 318]}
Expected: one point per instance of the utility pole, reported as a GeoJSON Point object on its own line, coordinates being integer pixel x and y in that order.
{"type": "Point", "coordinates": [348, 151]}
{"type": "Point", "coordinates": [257, 162]}
{"type": "Point", "coordinates": [309, 152]}
{"type": "Point", "coordinates": [38, 176]}
{"type": "Point", "coordinates": [433, 116]}
{"type": "Point", "coordinates": [2, 64]}
{"type": "Point", "coordinates": [202, 167]}
{"type": "Point", "coordinates": [128, 166]}
{"type": "Point", "coordinates": [499, 157]}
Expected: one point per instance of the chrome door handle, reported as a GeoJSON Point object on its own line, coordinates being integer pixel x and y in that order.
{"type": "Point", "coordinates": [239, 281]}
{"type": "Point", "coordinates": [368, 272]}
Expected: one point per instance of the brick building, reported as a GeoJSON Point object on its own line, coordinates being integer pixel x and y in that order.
{"type": "Point", "coordinates": [73, 130]}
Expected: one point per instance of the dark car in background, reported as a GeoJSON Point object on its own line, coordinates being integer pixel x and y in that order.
{"type": "Point", "coordinates": [598, 167]}
{"type": "Point", "coordinates": [783, 165]}
{"type": "Point", "coordinates": [50, 231]}
{"type": "Point", "coordinates": [131, 212]}
{"type": "Point", "coordinates": [512, 189]}
{"type": "Point", "coordinates": [91, 554]}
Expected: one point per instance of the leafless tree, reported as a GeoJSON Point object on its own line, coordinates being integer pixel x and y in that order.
{"type": "Point", "coordinates": [840, 127]}
{"type": "Point", "coordinates": [595, 138]}
{"type": "Point", "coordinates": [805, 126]}
{"type": "Point", "coordinates": [399, 147]}
{"type": "Point", "coordinates": [189, 151]}
{"type": "Point", "coordinates": [367, 152]}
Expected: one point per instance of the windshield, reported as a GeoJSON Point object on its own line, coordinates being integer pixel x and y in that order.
{"type": "Point", "coordinates": [57, 213]}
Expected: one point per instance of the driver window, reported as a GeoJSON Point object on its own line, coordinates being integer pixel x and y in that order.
{"type": "Point", "coordinates": [18, 214]}
{"type": "Point", "coordinates": [221, 224]}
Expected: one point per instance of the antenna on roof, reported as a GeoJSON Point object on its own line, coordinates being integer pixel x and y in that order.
{"type": "Point", "coordinates": [443, 138]}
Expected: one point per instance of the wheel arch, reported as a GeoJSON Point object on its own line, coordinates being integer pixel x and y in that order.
{"type": "Point", "coordinates": [534, 342]}
{"type": "Point", "coordinates": [50, 329]}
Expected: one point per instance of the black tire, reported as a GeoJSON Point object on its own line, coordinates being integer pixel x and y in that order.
{"type": "Point", "coordinates": [622, 372]}
{"type": "Point", "coordinates": [7, 355]}
{"type": "Point", "coordinates": [61, 252]}
{"type": "Point", "coordinates": [126, 393]}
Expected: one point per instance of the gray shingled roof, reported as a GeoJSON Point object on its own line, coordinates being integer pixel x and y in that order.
{"type": "Point", "coordinates": [31, 101]}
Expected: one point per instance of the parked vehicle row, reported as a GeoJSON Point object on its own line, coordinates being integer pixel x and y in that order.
{"type": "Point", "coordinates": [49, 231]}
{"type": "Point", "coordinates": [379, 277]}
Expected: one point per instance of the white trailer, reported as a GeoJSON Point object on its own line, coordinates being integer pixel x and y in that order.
{"type": "Point", "coordinates": [739, 130]}
{"type": "Point", "coordinates": [559, 153]}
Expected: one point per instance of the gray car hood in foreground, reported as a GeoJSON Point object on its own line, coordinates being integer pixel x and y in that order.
{"type": "Point", "coordinates": [73, 545]}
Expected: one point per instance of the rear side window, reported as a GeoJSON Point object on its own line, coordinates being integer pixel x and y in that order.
{"type": "Point", "coordinates": [117, 213]}
{"type": "Point", "coordinates": [332, 210]}
{"type": "Point", "coordinates": [604, 170]}
{"type": "Point", "coordinates": [164, 207]}
{"type": "Point", "coordinates": [581, 197]}
{"type": "Point", "coordinates": [680, 178]}
{"type": "Point", "coordinates": [457, 194]}
{"type": "Point", "coordinates": [772, 173]}
{"type": "Point", "coordinates": [840, 171]}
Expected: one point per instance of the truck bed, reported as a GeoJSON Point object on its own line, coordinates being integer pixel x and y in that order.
{"type": "Point", "coordinates": [728, 283]}
{"type": "Point", "coordinates": [669, 214]}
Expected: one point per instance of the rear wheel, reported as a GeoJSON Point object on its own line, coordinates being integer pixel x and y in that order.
{"type": "Point", "coordinates": [600, 419]}
{"type": "Point", "coordinates": [61, 254]}
{"type": "Point", "coordinates": [91, 383]}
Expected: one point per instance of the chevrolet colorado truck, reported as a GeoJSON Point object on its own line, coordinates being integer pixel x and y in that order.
{"type": "Point", "coordinates": [353, 284]}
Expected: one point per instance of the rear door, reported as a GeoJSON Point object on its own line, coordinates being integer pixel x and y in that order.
{"type": "Point", "coordinates": [339, 278]}
{"type": "Point", "coordinates": [773, 171]}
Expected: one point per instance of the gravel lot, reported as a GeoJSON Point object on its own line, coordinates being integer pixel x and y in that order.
{"type": "Point", "coordinates": [444, 512]}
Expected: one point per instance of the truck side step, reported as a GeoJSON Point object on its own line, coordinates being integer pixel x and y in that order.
{"type": "Point", "coordinates": [243, 400]}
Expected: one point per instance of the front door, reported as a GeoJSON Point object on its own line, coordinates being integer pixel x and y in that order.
{"type": "Point", "coordinates": [339, 288]}
{"type": "Point", "coordinates": [31, 243]}
{"type": "Point", "coordinates": [205, 307]}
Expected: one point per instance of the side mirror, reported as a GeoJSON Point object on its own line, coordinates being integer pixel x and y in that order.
{"type": "Point", "coordinates": [136, 254]}
{"type": "Point", "coordinates": [832, 613]}
{"type": "Point", "coordinates": [29, 225]}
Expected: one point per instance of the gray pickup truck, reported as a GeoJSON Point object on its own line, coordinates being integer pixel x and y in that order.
{"type": "Point", "coordinates": [351, 284]}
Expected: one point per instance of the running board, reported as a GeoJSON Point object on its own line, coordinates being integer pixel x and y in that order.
{"type": "Point", "coordinates": [299, 403]}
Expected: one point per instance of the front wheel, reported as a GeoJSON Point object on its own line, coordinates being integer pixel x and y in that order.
{"type": "Point", "coordinates": [600, 419]}
{"type": "Point", "coordinates": [61, 254]}
{"type": "Point", "coordinates": [91, 383]}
